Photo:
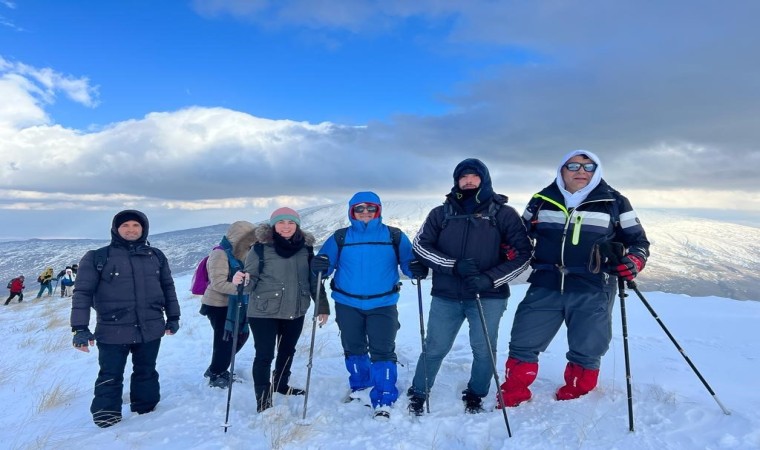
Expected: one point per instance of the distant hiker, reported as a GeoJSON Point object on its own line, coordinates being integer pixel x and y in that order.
{"type": "Point", "coordinates": [366, 290]}
{"type": "Point", "coordinates": [130, 286]}
{"type": "Point", "coordinates": [46, 282]}
{"type": "Point", "coordinates": [569, 284]}
{"type": "Point", "coordinates": [60, 275]}
{"type": "Point", "coordinates": [67, 282]}
{"type": "Point", "coordinates": [463, 242]}
{"type": "Point", "coordinates": [281, 288]}
{"type": "Point", "coordinates": [16, 287]}
{"type": "Point", "coordinates": [221, 289]}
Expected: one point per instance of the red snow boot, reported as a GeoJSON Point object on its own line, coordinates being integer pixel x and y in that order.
{"type": "Point", "coordinates": [520, 375]}
{"type": "Point", "coordinates": [578, 382]}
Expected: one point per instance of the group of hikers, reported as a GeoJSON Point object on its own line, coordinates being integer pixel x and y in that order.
{"type": "Point", "coordinates": [264, 277]}
{"type": "Point", "coordinates": [65, 277]}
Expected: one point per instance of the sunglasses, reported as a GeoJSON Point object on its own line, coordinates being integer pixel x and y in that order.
{"type": "Point", "coordinates": [358, 209]}
{"type": "Point", "coordinates": [576, 166]}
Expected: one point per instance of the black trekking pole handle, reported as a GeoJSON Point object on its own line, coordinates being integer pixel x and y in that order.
{"type": "Point", "coordinates": [235, 333]}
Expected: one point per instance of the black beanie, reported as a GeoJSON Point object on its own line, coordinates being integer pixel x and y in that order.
{"type": "Point", "coordinates": [127, 216]}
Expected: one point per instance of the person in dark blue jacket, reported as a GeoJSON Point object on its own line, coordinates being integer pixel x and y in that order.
{"type": "Point", "coordinates": [570, 221]}
{"type": "Point", "coordinates": [463, 242]}
{"type": "Point", "coordinates": [131, 292]}
{"type": "Point", "coordinates": [365, 289]}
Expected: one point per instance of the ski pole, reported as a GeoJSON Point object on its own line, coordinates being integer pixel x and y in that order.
{"type": "Point", "coordinates": [632, 285]}
{"type": "Point", "coordinates": [493, 362]}
{"type": "Point", "coordinates": [235, 333]}
{"type": "Point", "coordinates": [311, 346]}
{"type": "Point", "coordinates": [623, 295]}
{"type": "Point", "coordinates": [424, 346]}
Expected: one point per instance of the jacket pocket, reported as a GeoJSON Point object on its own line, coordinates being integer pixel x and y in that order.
{"type": "Point", "coordinates": [115, 315]}
{"type": "Point", "coordinates": [267, 299]}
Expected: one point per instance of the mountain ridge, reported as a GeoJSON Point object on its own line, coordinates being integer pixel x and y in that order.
{"type": "Point", "coordinates": [691, 256]}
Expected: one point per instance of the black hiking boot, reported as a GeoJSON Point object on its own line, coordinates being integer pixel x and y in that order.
{"type": "Point", "coordinates": [472, 403]}
{"type": "Point", "coordinates": [263, 397]}
{"type": "Point", "coordinates": [221, 380]}
{"type": "Point", "coordinates": [290, 390]}
{"type": "Point", "coordinates": [416, 403]}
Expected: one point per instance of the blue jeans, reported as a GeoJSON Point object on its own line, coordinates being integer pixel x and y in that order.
{"type": "Point", "coordinates": [444, 321]}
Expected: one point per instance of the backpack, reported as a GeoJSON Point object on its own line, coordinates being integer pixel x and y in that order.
{"type": "Point", "coordinates": [200, 277]}
{"type": "Point", "coordinates": [395, 235]}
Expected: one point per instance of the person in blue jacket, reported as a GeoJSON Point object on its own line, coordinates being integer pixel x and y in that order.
{"type": "Point", "coordinates": [365, 289]}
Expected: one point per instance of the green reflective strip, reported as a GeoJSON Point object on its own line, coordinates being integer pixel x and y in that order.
{"type": "Point", "coordinates": [577, 229]}
{"type": "Point", "coordinates": [558, 205]}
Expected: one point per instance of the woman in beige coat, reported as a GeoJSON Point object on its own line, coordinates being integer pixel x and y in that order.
{"type": "Point", "coordinates": [240, 236]}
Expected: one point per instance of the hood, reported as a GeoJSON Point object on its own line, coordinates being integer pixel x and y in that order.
{"type": "Point", "coordinates": [365, 197]}
{"type": "Point", "coordinates": [575, 199]}
{"type": "Point", "coordinates": [241, 236]}
{"type": "Point", "coordinates": [486, 188]}
{"type": "Point", "coordinates": [133, 214]}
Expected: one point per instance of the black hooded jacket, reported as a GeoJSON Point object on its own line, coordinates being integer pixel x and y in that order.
{"type": "Point", "coordinates": [450, 234]}
{"type": "Point", "coordinates": [132, 292]}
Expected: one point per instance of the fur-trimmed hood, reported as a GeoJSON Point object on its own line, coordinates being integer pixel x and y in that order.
{"type": "Point", "coordinates": [263, 234]}
{"type": "Point", "coordinates": [241, 236]}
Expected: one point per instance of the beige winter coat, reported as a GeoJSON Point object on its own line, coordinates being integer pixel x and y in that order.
{"type": "Point", "coordinates": [241, 236]}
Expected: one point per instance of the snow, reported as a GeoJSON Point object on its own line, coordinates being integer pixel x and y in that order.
{"type": "Point", "coordinates": [46, 387]}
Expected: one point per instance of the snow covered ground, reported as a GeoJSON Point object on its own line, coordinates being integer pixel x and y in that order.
{"type": "Point", "coordinates": [46, 388]}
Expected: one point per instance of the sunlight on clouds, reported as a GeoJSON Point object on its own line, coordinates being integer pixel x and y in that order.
{"type": "Point", "coordinates": [242, 203]}
{"type": "Point", "coordinates": [694, 198]}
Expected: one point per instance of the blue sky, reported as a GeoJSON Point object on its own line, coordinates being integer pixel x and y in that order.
{"type": "Point", "coordinates": [209, 111]}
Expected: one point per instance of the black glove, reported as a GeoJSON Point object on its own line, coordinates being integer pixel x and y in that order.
{"type": "Point", "coordinates": [508, 253]}
{"type": "Point", "coordinates": [418, 270]}
{"type": "Point", "coordinates": [478, 283]}
{"type": "Point", "coordinates": [320, 263]}
{"type": "Point", "coordinates": [172, 324]}
{"type": "Point", "coordinates": [466, 267]}
{"type": "Point", "coordinates": [82, 337]}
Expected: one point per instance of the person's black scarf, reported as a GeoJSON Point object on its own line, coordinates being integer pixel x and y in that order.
{"type": "Point", "coordinates": [288, 247]}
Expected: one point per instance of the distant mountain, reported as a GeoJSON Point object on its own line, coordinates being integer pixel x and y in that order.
{"type": "Point", "coordinates": [692, 256]}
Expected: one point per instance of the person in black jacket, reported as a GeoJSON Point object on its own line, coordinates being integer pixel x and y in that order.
{"type": "Point", "coordinates": [463, 242]}
{"type": "Point", "coordinates": [130, 292]}
{"type": "Point", "coordinates": [572, 220]}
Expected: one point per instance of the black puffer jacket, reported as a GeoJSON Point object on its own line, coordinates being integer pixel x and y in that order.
{"type": "Point", "coordinates": [130, 295]}
{"type": "Point", "coordinates": [442, 240]}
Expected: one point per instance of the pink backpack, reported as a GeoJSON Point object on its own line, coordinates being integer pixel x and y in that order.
{"type": "Point", "coordinates": [200, 277]}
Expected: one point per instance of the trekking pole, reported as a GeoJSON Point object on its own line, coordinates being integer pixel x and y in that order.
{"type": "Point", "coordinates": [311, 346]}
{"type": "Point", "coordinates": [424, 346]}
{"type": "Point", "coordinates": [632, 285]}
{"type": "Point", "coordinates": [493, 363]}
{"type": "Point", "coordinates": [623, 295]}
{"type": "Point", "coordinates": [232, 360]}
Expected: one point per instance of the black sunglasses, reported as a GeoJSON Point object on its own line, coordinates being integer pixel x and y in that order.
{"type": "Point", "coordinates": [358, 209]}
{"type": "Point", "coordinates": [576, 166]}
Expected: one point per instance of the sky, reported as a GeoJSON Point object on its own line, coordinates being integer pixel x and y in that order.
{"type": "Point", "coordinates": [50, 387]}
{"type": "Point", "coordinates": [210, 111]}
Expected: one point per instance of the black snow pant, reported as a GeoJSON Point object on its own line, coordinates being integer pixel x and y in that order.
{"type": "Point", "coordinates": [221, 355]}
{"type": "Point", "coordinates": [270, 335]}
{"type": "Point", "coordinates": [144, 390]}
{"type": "Point", "coordinates": [13, 294]}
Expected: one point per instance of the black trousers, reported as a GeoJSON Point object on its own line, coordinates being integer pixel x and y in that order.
{"type": "Point", "coordinates": [13, 294]}
{"type": "Point", "coordinates": [144, 390]}
{"type": "Point", "coordinates": [221, 355]}
{"type": "Point", "coordinates": [270, 335]}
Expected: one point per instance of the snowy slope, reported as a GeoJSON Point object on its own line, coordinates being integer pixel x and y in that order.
{"type": "Point", "coordinates": [46, 387]}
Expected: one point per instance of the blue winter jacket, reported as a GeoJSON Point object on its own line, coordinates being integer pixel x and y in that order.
{"type": "Point", "coordinates": [371, 269]}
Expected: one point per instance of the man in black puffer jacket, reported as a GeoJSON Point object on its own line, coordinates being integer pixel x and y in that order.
{"type": "Point", "coordinates": [463, 242]}
{"type": "Point", "coordinates": [130, 292]}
